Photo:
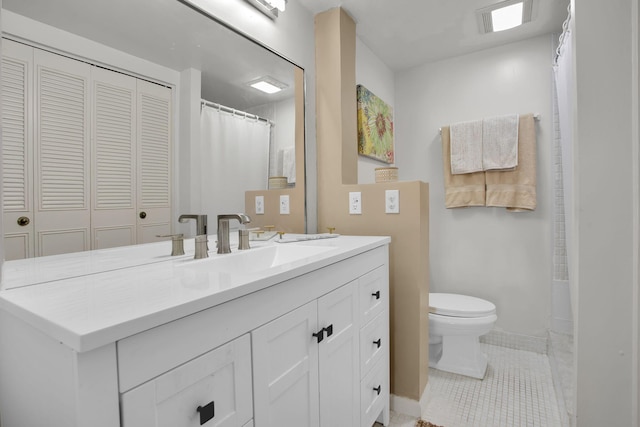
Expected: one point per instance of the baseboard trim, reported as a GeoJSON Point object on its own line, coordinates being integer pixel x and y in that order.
{"type": "Point", "coordinates": [406, 406]}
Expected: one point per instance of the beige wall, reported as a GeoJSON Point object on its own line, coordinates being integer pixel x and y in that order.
{"type": "Point", "coordinates": [337, 176]}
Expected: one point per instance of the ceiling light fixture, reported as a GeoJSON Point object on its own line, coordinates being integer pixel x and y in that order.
{"type": "Point", "coordinates": [267, 85]}
{"type": "Point", "coordinates": [504, 15]}
{"type": "Point", "coordinates": [271, 8]}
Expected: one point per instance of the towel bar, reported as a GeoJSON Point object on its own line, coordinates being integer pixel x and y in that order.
{"type": "Point", "coordinates": [536, 117]}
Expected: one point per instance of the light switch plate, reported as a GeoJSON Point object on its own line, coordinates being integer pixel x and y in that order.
{"type": "Point", "coordinates": [259, 205]}
{"type": "Point", "coordinates": [392, 201]}
{"type": "Point", "coordinates": [355, 203]}
{"type": "Point", "coordinates": [284, 204]}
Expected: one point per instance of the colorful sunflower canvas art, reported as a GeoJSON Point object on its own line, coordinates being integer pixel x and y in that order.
{"type": "Point", "coordinates": [375, 126]}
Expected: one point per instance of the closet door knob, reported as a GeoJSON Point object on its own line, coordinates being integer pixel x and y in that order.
{"type": "Point", "coordinates": [143, 215]}
{"type": "Point", "coordinates": [319, 335]}
{"type": "Point", "coordinates": [378, 342]}
{"type": "Point", "coordinates": [206, 412]}
{"type": "Point", "coordinates": [23, 220]}
{"type": "Point", "coordinates": [376, 294]}
{"type": "Point", "coordinates": [378, 389]}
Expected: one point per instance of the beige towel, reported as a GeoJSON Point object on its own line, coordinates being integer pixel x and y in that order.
{"type": "Point", "coordinates": [500, 142]}
{"type": "Point", "coordinates": [466, 147]}
{"type": "Point", "coordinates": [516, 190]}
{"type": "Point", "coordinates": [460, 190]}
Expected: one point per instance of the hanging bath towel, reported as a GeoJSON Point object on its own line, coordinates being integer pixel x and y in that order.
{"type": "Point", "coordinates": [466, 147]}
{"type": "Point", "coordinates": [516, 190]}
{"type": "Point", "coordinates": [460, 190]}
{"type": "Point", "coordinates": [500, 143]}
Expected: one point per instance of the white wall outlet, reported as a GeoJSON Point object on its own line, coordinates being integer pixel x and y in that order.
{"type": "Point", "coordinates": [392, 201]}
{"type": "Point", "coordinates": [284, 204]}
{"type": "Point", "coordinates": [259, 205]}
{"type": "Point", "coordinates": [355, 203]}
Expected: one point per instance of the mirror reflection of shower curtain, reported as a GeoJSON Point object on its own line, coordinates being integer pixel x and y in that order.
{"type": "Point", "coordinates": [563, 73]}
{"type": "Point", "coordinates": [233, 156]}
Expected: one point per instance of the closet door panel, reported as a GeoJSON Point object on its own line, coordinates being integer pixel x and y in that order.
{"type": "Point", "coordinates": [154, 161]}
{"type": "Point", "coordinates": [61, 154]}
{"type": "Point", "coordinates": [17, 149]}
{"type": "Point", "coordinates": [113, 153]}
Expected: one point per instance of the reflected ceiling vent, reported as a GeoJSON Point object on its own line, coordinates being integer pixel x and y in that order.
{"type": "Point", "coordinates": [504, 15]}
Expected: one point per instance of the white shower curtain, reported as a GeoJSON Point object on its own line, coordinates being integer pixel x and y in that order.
{"type": "Point", "coordinates": [563, 73]}
{"type": "Point", "coordinates": [233, 157]}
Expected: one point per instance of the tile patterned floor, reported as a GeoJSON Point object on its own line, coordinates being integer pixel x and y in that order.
{"type": "Point", "coordinates": [516, 391]}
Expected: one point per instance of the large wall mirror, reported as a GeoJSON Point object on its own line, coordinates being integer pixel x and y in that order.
{"type": "Point", "coordinates": [231, 143]}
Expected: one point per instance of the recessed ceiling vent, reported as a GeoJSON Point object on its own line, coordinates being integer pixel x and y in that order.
{"type": "Point", "coordinates": [504, 15]}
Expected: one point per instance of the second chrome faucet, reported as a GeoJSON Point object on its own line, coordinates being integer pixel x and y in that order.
{"type": "Point", "coordinates": [201, 234]}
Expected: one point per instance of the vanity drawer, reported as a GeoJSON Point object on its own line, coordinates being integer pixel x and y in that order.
{"type": "Point", "coordinates": [374, 393]}
{"type": "Point", "coordinates": [373, 342]}
{"type": "Point", "coordinates": [373, 294]}
{"type": "Point", "coordinates": [214, 388]}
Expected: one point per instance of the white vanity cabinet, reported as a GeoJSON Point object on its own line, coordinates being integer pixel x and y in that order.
{"type": "Point", "coordinates": [306, 364]}
{"type": "Point", "coordinates": [301, 345]}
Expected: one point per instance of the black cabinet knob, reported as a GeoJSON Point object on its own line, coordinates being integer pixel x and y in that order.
{"type": "Point", "coordinates": [378, 342]}
{"type": "Point", "coordinates": [378, 389]}
{"type": "Point", "coordinates": [143, 215]}
{"type": "Point", "coordinates": [376, 294]}
{"type": "Point", "coordinates": [23, 220]}
{"type": "Point", "coordinates": [319, 335]}
{"type": "Point", "coordinates": [206, 412]}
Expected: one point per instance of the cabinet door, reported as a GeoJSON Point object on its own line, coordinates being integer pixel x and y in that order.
{"type": "Point", "coordinates": [17, 149]}
{"type": "Point", "coordinates": [113, 158]}
{"type": "Point", "coordinates": [154, 161]}
{"type": "Point", "coordinates": [62, 216]}
{"type": "Point", "coordinates": [285, 370]}
{"type": "Point", "coordinates": [213, 390]}
{"type": "Point", "coordinates": [339, 358]}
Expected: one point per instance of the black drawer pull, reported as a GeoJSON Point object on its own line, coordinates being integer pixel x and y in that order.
{"type": "Point", "coordinates": [206, 412]}
{"type": "Point", "coordinates": [329, 330]}
{"type": "Point", "coordinates": [378, 342]}
{"type": "Point", "coordinates": [378, 389]}
{"type": "Point", "coordinates": [319, 335]}
{"type": "Point", "coordinates": [376, 294]}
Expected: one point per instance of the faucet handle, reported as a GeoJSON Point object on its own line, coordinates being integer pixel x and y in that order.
{"type": "Point", "coordinates": [269, 227]}
{"type": "Point", "coordinates": [177, 243]}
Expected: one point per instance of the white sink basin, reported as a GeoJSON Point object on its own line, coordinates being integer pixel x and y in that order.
{"type": "Point", "coordinates": [257, 259]}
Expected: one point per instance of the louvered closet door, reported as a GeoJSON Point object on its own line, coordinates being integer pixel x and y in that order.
{"type": "Point", "coordinates": [113, 138]}
{"type": "Point", "coordinates": [154, 161]}
{"type": "Point", "coordinates": [62, 217]}
{"type": "Point", "coordinates": [17, 149]}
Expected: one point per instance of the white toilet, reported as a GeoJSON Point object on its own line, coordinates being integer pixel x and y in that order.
{"type": "Point", "coordinates": [456, 323]}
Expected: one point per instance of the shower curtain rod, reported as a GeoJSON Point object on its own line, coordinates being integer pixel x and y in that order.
{"type": "Point", "coordinates": [235, 112]}
{"type": "Point", "coordinates": [536, 117]}
{"type": "Point", "coordinates": [565, 31]}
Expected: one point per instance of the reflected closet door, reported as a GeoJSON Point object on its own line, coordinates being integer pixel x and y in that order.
{"type": "Point", "coordinates": [62, 108]}
{"type": "Point", "coordinates": [113, 143]}
{"type": "Point", "coordinates": [17, 149]}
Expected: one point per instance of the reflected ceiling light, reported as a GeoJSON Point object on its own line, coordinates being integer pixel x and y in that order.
{"type": "Point", "coordinates": [504, 15]}
{"type": "Point", "coordinates": [267, 84]}
{"type": "Point", "coordinates": [271, 8]}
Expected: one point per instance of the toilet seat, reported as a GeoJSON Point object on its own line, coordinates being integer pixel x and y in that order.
{"type": "Point", "coordinates": [456, 305]}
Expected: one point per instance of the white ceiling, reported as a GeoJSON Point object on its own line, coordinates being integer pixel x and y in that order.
{"type": "Point", "coordinates": [406, 33]}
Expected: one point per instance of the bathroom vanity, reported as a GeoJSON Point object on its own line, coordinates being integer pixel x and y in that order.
{"type": "Point", "coordinates": [284, 334]}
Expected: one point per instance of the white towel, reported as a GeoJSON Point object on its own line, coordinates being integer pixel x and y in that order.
{"type": "Point", "coordinates": [500, 142]}
{"type": "Point", "coordinates": [466, 147]}
{"type": "Point", "coordinates": [289, 164]}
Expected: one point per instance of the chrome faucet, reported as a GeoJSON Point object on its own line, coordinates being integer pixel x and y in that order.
{"type": "Point", "coordinates": [223, 230]}
{"type": "Point", "coordinates": [202, 246]}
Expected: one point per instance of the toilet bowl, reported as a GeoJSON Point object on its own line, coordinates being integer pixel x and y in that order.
{"type": "Point", "coordinates": [456, 323]}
